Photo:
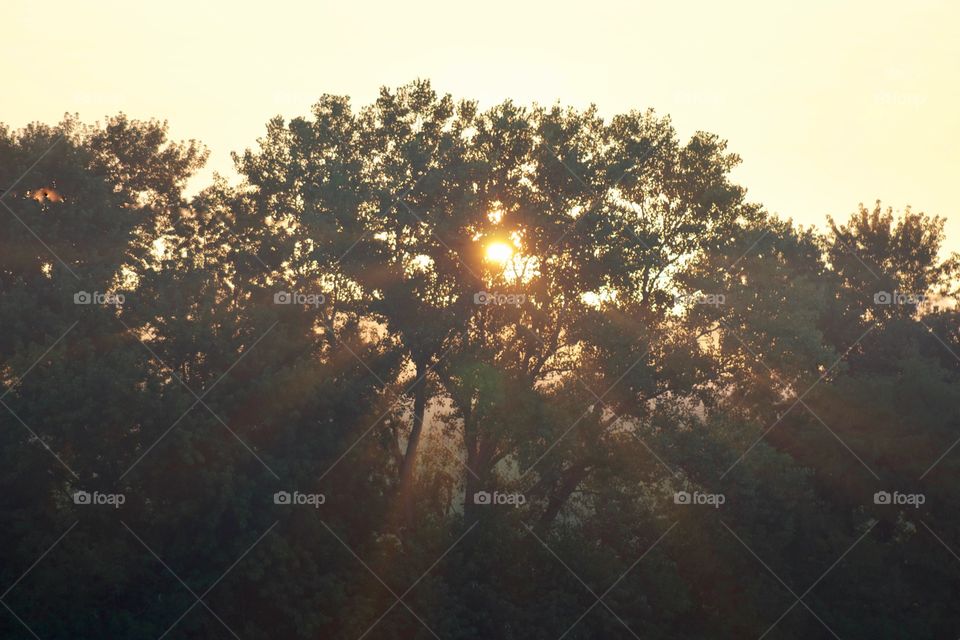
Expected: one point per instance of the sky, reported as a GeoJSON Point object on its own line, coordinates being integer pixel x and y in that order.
{"type": "Point", "coordinates": [828, 103]}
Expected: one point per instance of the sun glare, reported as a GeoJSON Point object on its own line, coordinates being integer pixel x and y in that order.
{"type": "Point", "coordinates": [499, 252]}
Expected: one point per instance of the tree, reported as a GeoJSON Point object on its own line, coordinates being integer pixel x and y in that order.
{"type": "Point", "coordinates": [406, 307]}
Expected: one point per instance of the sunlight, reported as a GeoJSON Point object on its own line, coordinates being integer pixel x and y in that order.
{"type": "Point", "coordinates": [596, 299]}
{"type": "Point", "coordinates": [159, 248]}
{"type": "Point", "coordinates": [45, 194]}
{"type": "Point", "coordinates": [499, 252]}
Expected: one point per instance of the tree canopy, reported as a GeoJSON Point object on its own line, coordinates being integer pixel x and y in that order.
{"type": "Point", "coordinates": [427, 370]}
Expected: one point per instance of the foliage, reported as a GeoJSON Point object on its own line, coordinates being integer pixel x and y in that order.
{"type": "Point", "coordinates": [334, 325]}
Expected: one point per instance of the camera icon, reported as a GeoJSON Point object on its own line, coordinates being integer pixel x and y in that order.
{"type": "Point", "coordinates": [481, 497]}
{"type": "Point", "coordinates": [882, 297]}
{"type": "Point", "coordinates": [82, 297]}
{"type": "Point", "coordinates": [882, 497]}
{"type": "Point", "coordinates": [282, 297]}
{"type": "Point", "coordinates": [81, 497]}
{"type": "Point", "coordinates": [282, 497]}
{"type": "Point", "coordinates": [681, 497]}
{"type": "Point", "coordinates": [481, 297]}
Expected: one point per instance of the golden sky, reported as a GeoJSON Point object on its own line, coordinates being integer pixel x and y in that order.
{"type": "Point", "coordinates": [828, 103]}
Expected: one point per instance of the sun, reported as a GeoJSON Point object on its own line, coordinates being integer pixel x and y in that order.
{"type": "Point", "coordinates": [499, 252]}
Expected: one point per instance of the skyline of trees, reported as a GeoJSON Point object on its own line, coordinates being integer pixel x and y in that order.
{"type": "Point", "coordinates": [737, 425]}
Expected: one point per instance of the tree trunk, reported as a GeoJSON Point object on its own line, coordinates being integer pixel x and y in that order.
{"type": "Point", "coordinates": [571, 480]}
{"type": "Point", "coordinates": [405, 490]}
{"type": "Point", "coordinates": [472, 484]}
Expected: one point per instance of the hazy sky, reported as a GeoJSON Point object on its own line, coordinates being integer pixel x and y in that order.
{"type": "Point", "coordinates": [828, 103]}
